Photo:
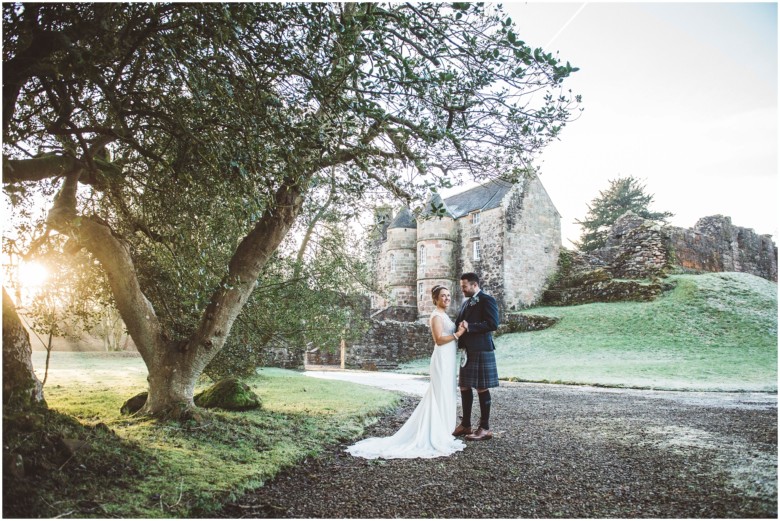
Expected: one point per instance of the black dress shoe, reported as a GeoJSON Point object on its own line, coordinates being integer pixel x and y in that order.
{"type": "Point", "coordinates": [480, 435]}
{"type": "Point", "coordinates": [460, 430]}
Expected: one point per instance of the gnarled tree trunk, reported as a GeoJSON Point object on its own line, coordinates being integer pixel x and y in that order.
{"type": "Point", "coordinates": [21, 388]}
{"type": "Point", "coordinates": [175, 364]}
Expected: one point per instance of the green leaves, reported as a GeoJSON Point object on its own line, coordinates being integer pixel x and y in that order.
{"type": "Point", "coordinates": [212, 112]}
{"type": "Point", "coordinates": [623, 195]}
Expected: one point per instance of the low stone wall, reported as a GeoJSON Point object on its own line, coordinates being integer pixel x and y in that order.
{"type": "Point", "coordinates": [323, 357]}
{"type": "Point", "coordinates": [282, 357]}
{"type": "Point", "coordinates": [598, 286]}
{"type": "Point", "coordinates": [523, 322]}
{"type": "Point", "coordinates": [388, 343]}
{"type": "Point", "coordinates": [397, 313]}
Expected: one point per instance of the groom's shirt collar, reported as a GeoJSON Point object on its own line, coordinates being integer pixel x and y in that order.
{"type": "Point", "coordinates": [475, 294]}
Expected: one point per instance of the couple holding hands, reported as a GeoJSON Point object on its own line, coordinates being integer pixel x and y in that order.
{"type": "Point", "coordinates": [428, 431]}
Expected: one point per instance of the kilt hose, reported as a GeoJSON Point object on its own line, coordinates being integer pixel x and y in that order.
{"type": "Point", "coordinates": [480, 371]}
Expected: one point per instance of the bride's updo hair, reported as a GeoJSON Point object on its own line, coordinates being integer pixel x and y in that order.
{"type": "Point", "coordinates": [435, 292]}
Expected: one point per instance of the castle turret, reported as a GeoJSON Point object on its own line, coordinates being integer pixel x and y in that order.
{"type": "Point", "coordinates": [437, 236]}
{"type": "Point", "coordinates": [399, 258]}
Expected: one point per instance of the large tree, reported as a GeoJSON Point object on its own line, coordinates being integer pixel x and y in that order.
{"type": "Point", "coordinates": [21, 387]}
{"type": "Point", "coordinates": [184, 139]}
{"type": "Point", "coordinates": [624, 194]}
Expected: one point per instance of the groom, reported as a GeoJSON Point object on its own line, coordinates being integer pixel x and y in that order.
{"type": "Point", "coordinates": [479, 313]}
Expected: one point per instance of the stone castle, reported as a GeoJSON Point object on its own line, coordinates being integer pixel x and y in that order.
{"type": "Point", "coordinates": [508, 233]}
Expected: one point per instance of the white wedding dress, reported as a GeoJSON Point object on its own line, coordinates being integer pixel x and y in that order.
{"type": "Point", "coordinates": [428, 431]}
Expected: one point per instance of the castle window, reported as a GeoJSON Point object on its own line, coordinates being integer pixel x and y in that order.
{"type": "Point", "coordinates": [420, 290]}
{"type": "Point", "coordinates": [477, 252]}
{"type": "Point", "coordinates": [475, 218]}
{"type": "Point", "coordinates": [422, 255]}
{"type": "Point", "coordinates": [392, 262]}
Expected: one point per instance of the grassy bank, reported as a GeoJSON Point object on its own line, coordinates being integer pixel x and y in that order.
{"type": "Point", "coordinates": [135, 468]}
{"type": "Point", "coordinates": [713, 332]}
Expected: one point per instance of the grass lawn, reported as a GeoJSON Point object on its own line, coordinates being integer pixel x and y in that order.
{"type": "Point", "coordinates": [712, 332]}
{"type": "Point", "coordinates": [174, 470]}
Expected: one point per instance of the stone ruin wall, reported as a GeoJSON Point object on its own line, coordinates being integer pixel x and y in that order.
{"type": "Point", "coordinates": [636, 248]}
{"type": "Point", "coordinates": [715, 244]}
{"type": "Point", "coordinates": [639, 248]}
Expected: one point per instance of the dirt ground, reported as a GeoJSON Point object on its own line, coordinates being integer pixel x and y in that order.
{"type": "Point", "coordinates": [558, 452]}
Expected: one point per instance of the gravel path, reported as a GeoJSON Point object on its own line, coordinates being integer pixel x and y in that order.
{"type": "Point", "coordinates": [558, 451]}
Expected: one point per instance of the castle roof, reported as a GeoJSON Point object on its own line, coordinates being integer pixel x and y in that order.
{"type": "Point", "coordinates": [482, 197]}
{"type": "Point", "coordinates": [436, 201]}
{"type": "Point", "coordinates": [404, 219]}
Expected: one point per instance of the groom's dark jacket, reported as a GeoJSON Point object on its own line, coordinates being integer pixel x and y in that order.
{"type": "Point", "coordinates": [481, 313]}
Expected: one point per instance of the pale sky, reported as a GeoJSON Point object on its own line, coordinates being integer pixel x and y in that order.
{"type": "Point", "coordinates": [680, 95]}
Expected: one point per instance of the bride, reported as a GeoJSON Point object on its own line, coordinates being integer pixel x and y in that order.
{"type": "Point", "coordinates": [428, 431]}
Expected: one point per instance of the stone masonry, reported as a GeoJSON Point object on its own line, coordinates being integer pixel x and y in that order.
{"type": "Point", "coordinates": [508, 233]}
{"type": "Point", "coordinates": [388, 343]}
{"type": "Point", "coordinates": [639, 248]}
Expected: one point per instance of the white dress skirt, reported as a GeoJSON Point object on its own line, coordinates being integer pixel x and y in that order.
{"type": "Point", "coordinates": [428, 431]}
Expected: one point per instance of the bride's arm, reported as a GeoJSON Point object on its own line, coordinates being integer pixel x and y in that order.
{"type": "Point", "coordinates": [437, 330]}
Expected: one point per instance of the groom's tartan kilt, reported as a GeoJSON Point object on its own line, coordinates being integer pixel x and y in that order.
{"type": "Point", "coordinates": [480, 371]}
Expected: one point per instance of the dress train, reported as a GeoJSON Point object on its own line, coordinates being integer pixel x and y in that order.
{"type": "Point", "coordinates": [428, 431]}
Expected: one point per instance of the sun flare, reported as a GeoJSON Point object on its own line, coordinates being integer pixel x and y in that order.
{"type": "Point", "coordinates": [32, 275]}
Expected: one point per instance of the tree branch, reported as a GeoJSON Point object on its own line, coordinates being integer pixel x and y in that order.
{"type": "Point", "coordinates": [37, 168]}
{"type": "Point", "coordinates": [135, 308]}
{"type": "Point", "coordinates": [245, 266]}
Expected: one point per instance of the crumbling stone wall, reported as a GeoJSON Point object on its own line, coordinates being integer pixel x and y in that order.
{"type": "Point", "coordinates": [282, 357]}
{"type": "Point", "coordinates": [715, 244]}
{"type": "Point", "coordinates": [399, 313]}
{"type": "Point", "coordinates": [524, 322]}
{"type": "Point", "coordinates": [637, 248]}
{"type": "Point", "coordinates": [598, 285]}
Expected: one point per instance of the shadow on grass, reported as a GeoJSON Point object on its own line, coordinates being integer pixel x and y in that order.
{"type": "Point", "coordinates": [58, 466]}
